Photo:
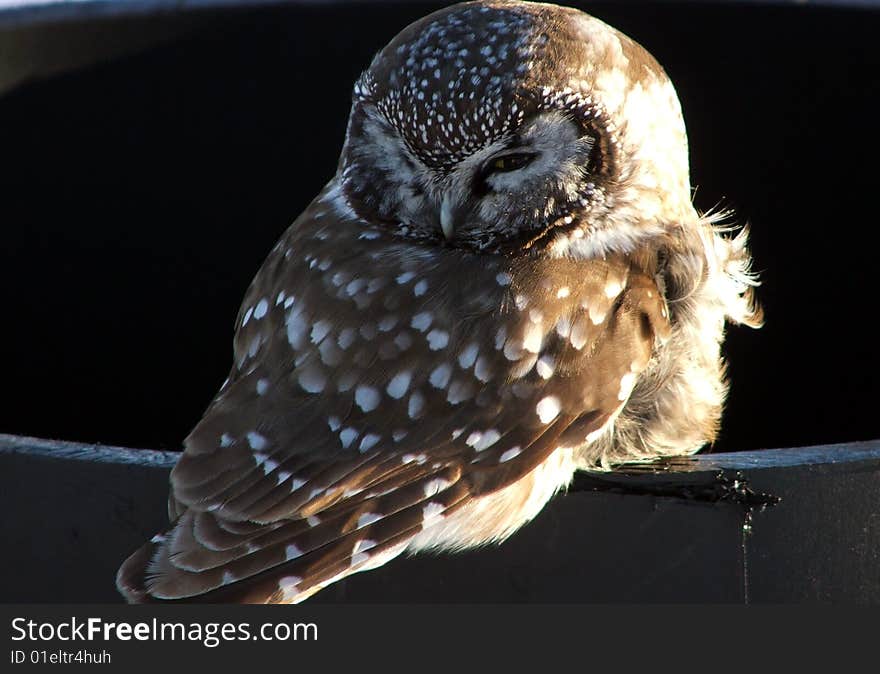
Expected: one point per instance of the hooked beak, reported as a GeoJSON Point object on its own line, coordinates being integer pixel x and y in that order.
{"type": "Point", "coordinates": [447, 217]}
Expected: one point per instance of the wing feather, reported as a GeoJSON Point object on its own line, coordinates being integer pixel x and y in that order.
{"type": "Point", "coordinates": [377, 388]}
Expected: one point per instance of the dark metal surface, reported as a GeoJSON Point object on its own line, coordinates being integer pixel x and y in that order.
{"type": "Point", "coordinates": [787, 525]}
{"type": "Point", "coordinates": [19, 12]}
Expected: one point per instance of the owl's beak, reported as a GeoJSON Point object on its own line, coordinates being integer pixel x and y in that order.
{"type": "Point", "coordinates": [447, 216]}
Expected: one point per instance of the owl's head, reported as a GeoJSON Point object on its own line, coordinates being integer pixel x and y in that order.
{"type": "Point", "coordinates": [510, 126]}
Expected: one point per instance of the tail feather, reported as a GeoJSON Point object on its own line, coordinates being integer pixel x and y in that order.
{"type": "Point", "coordinates": [285, 563]}
{"type": "Point", "coordinates": [130, 577]}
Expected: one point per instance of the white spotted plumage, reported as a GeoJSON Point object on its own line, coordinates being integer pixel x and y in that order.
{"type": "Point", "coordinates": [504, 282]}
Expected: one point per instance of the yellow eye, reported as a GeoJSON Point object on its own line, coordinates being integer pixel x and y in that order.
{"type": "Point", "coordinates": [510, 162]}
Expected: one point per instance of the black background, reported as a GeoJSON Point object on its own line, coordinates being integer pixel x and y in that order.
{"type": "Point", "coordinates": [138, 198]}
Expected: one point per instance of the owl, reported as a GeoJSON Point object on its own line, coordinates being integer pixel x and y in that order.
{"type": "Point", "coordinates": [505, 282]}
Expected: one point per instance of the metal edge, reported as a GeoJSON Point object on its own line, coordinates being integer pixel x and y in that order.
{"type": "Point", "coordinates": [29, 13]}
{"type": "Point", "coordinates": [33, 12]}
{"type": "Point", "coordinates": [844, 453]}
{"type": "Point", "coordinates": [74, 451]}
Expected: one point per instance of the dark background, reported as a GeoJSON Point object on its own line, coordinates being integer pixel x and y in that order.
{"type": "Point", "coordinates": [138, 198]}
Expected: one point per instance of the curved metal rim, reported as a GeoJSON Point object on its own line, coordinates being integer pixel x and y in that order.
{"type": "Point", "coordinates": [23, 13]}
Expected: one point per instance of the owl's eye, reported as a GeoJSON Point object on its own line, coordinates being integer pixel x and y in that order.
{"type": "Point", "coordinates": [501, 164]}
{"type": "Point", "coordinates": [509, 162]}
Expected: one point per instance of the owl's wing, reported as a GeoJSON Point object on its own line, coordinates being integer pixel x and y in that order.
{"type": "Point", "coordinates": [379, 387]}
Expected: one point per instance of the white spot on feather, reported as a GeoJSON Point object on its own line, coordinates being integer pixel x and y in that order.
{"type": "Point", "coordinates": [435, 486]}
{"type": "Point", "coordinates": [613, 289]}
{"type": "Point", "coordinates": [331, 354]}
{"type": "Point", "coordinates": [297, 328]}
{"type": "Point", "coordinates": [438, 339]}
{"type": "Point", "coordinates": [626, 385]}
{"type": "Point", "coordinates": [563, 327]}
{"type": "Point", "coordinates": [399, 384]}
{"type": "Point", "coordinates": [257, 441]}
{"type": "Point", "coordinates": [358, 556]}
{"type": "Point", "coordinates": [320, 330]}
{"type": "Point", "coordinates": [387, 323]}
{"type": "Point", "coordinates": [369, 441]}
{"type": "Point", "coordinates": [512, 350]}
{"type": "Point", "coordinates": [255, 345]}
{"type": "Point", "coordinates": [548, 409]}
{"type": "Point", "coordinates": [347, 436]}
{"type": "Point", "coordinates": [500, 337]}
{"type": "Point", "coordinates": [416, 405]}
{"type": "Point", "coordinates": [312, 380]}
{"type": "Point", "coordinates": [459, 391]}
{"type": "Point", "coordinates": [346, 338]}
{"type": "Point", "coordinates": [362, 545]}
{"type": "Point", "coordinates": [422, 321]}
{"type": "Point", "coordinates": [578, 335]}
{"type": "Point", "coordinates": [468, 355]}
{"type": "Point", "coordinates": [440, 376]}
{"type": "Point", "coordinates": [367, 518]}
{"type": "Point", "coordinates": [533, 338]}
{"type": "Point", "coordinates": [546, 366]}
{"type": "Point", "coordinates": [483, 371]}
{"type": "Point", "coordinates": [289, 586]}
{"type": "Point", "coordinates": [480, 441]}
{"type": "Point", "coordinates": [432, 511]}
{"type": "Point", "coordinates": [354, 287]}
{"type": "Point", "coordinates": [511, 453]}
{"type": "Point", "coordinates": [367, 398]}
